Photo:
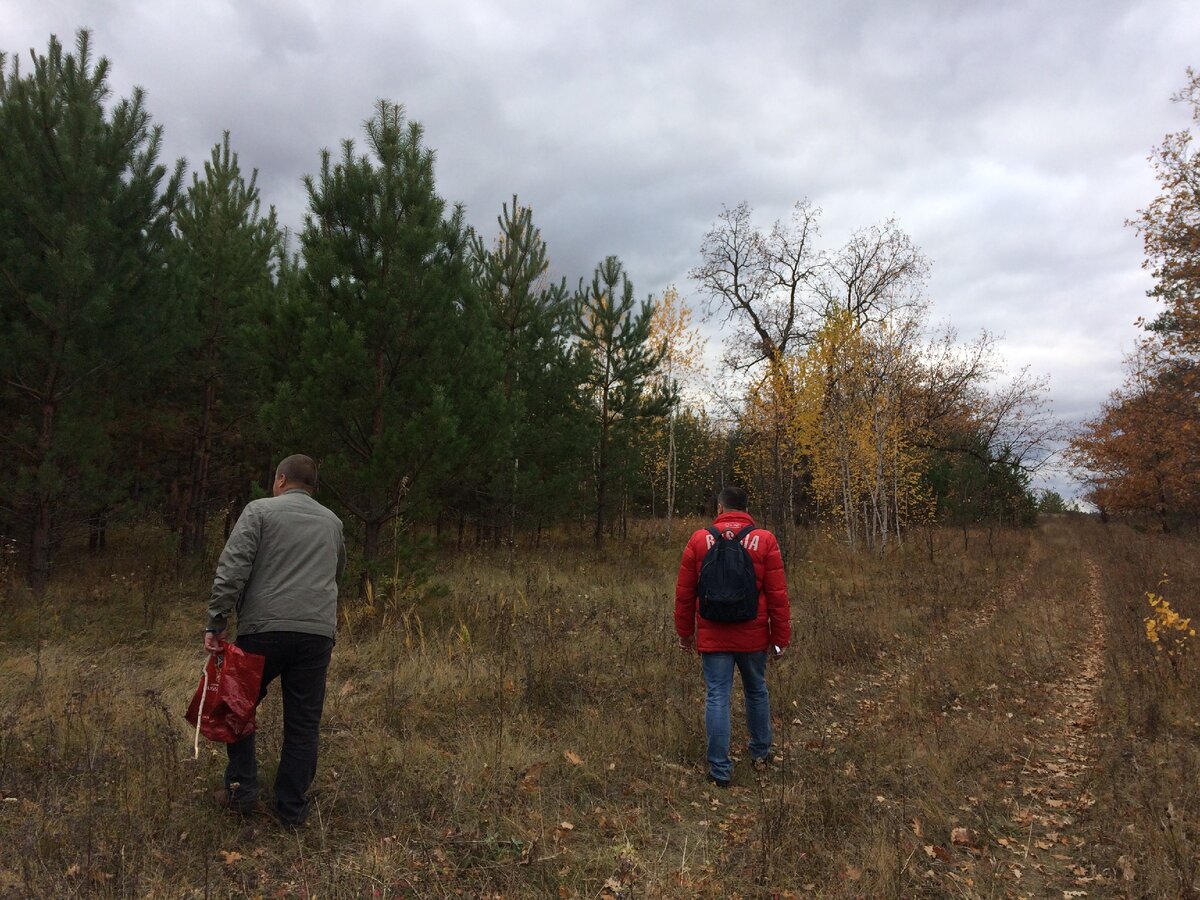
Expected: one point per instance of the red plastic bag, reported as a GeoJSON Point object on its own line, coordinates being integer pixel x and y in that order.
{"type": "Point", "coordinates": [227, 695]}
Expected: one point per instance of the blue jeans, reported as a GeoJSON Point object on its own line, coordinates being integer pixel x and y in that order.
{"type": "Point", "coordinates": [718, 684]}
{"type": "Point", "coordinates": [300, 662]}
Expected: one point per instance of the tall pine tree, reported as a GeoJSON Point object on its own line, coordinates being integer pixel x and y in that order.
{"type": "Point", "coordinates": [545, 434]}
{"type": "Point", "coordinates": [613, 338]}
{"type": "Point", "coordinates": [223, 271]}
{"type": "Point", "coordinates": [85, 214]}
{"type": "Point", "coordinates": [392, 382]}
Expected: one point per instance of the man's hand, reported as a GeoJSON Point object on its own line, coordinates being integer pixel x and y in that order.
{"type": "Point", "coordinates": [213, 641]}
{"type": "Point", "coordinates": [777, 651]}
{"type": "Point", "coordinates": [688, 644]}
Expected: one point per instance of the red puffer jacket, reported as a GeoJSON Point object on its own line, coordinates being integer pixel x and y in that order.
{"type": "Point", "coordinates": [774, 622]}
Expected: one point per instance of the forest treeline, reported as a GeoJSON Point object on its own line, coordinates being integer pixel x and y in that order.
{"type": "Point", "coordinates": [163, 342]}
{"type": "Point", "coordinates": [1141, 453]}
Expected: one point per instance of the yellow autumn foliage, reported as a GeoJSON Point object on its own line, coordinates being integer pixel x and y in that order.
{"type": "Point", "coordinates": [1166, 629]}
{"type": "Point", "coordinates": [851, 420]}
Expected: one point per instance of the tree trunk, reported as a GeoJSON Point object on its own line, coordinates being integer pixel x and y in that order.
{"type": "Point", "coordinates": [195, 512]}
{"type": "Point", "coordinates": [512, 512]}
{"type": "Point", "coordinates": [97, 531]}
{"type": "Point", "coordinates": [42, 533]}
{"type": "Point", "coordinates": [672, 463]}
{"type": "Point", "coordinates": [366, 583]}
{"type": "Point", "coordinates": [39, 546]}
{"type": "Point", "coordinates": [601, 479]}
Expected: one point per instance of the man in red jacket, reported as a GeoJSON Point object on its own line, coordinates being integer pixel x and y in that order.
{"type": "Point", "coordinates": [724, 645]}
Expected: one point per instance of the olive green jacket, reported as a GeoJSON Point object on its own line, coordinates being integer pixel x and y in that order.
{"type": "Point", "coordinates": [280, 568]}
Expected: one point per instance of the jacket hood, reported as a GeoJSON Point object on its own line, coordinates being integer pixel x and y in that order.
{"type": "Point", "coordinates": [733, 518]}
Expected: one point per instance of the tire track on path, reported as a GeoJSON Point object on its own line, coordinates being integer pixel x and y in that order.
{"type": "Point", "coordinates": [861, 703]}
{"type": "Point", "coordinates": [1048, 792]}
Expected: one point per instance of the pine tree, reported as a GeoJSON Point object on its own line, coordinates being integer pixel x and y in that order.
{"type": "Point", "coordinates": [545, 432]}
{"type": "Point", "coordinates": [223, 269]}
{"type": "Point", "coordinates": [391, 384]}
{"type": "Point", "coordinates": [84, 220]}
{"type": "Point", "coordinates": [614, 341]}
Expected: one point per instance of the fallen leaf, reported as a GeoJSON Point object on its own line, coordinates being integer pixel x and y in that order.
{"type": "Point", "coordinates": [853, 873]}
{"type": "Point", "coordinates": [529, 778]}
{"type": "Point", "coordinates": [961, 836]}
{"type": "Point", "coordinates": [573, 758]}
{"type": "Point", "coordinates": [566, 826]}
{"type": "Point", "coordinates": [231, 856]}
{"type": "Point", "coordinates": [1126, 867]}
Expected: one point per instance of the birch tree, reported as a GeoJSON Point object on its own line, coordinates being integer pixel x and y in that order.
{"type": "Point", "coordinates": [680, 346]}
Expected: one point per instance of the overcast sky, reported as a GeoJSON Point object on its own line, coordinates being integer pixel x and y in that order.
{"type": "Point", "coordinates": [1008, 139]}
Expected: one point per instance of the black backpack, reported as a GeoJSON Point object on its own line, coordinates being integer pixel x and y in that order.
{"type": "Point", "coordinates": [728, 587]}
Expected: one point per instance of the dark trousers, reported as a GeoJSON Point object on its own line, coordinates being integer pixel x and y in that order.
{"type": "Point", "coordinates": [300, 661]}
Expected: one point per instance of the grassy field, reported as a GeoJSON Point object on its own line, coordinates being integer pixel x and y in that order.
{"type": "Point", "coordinates": [986, 722]}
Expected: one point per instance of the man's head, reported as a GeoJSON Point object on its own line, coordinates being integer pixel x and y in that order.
{"type": "Point", "coordinates": [297, 471]}
{"type": "Point", "coordinates": [731, 499]}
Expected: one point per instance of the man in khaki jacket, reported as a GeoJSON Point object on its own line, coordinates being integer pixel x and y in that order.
{"type": "Point", "coordinates": [279, 571]}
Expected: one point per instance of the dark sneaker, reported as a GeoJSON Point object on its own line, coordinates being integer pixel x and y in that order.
{"type": "Point", "coordinates": [719, 782]}
{"type": "Point", "coordinates": [763, 763]}
{"type": "Point", "coordinates": [227, 801]}
{"type": "Point", "coordinates": [288, 825]}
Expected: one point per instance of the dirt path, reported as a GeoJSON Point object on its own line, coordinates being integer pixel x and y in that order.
{"type": "Point", "coordinates": [863, 703]}
{"type": "Point", "coordinates": [734, 820]}
{"type": "Point", "coordinates": [1032, 848]}
{"type": "Point", "coordinates": [1035, 853]}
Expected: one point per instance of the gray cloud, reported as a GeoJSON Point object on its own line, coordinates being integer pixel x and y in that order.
{"type": "Point", "coordinates": [1009, 140]}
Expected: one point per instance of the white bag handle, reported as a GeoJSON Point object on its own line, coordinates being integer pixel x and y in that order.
{"type": "Point", "coordinates": [200, 713]}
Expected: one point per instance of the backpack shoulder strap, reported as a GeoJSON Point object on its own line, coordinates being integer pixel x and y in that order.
{"type": "Point", "coordinates": [744, 533]}
{"type": "Point", "coordinates": [716, 532]}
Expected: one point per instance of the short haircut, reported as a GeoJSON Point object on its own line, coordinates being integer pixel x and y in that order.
{"type": "Point", "coordinates": [299, 469]}
{"type": "Point", "coordinates": [733, 498]}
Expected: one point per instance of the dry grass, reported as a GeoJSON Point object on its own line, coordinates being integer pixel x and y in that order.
{"type": "Point", "coordinates": [530, 730]}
